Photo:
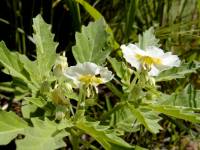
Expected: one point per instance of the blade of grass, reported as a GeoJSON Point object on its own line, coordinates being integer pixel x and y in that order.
{"type": "Point", "coordinates": [130, 18]}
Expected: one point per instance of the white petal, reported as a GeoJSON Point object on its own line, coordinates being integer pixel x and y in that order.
{"type": "Point", "coordinates": [136, 49]}
{"type": "Point", "coordinates": [154, 71]}
{"type": "Point", "coordinates": [89, 68]}
{"type": "Point", "coordinates": [75, 72]}
{"type": "Point", "coordinates": [171, 60]}
{"type": "Point", "coordinates": [106, 75]}
{"type": "Point", "coordinates": [154, 51]}
{"type": "Point", "coordinates": [162, 61]}
{"type": "Point", "coordinates": [129, 53]}
{"type": "Point", "coordinates": [82, 69]}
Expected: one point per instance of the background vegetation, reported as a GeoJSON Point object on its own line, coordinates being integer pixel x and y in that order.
{"type": "Point", "coordinates": [177, 25]}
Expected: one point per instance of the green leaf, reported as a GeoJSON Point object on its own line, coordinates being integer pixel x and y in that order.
{"type": "Point", "coordinates": [100, 133]}
{"type": "Point", "coordinates": [10, 126]}
{"type": "Point", "coordinates": [11, 62]}
{"type": "Point", "coordinates": [91, 43]}
{"type": "Point", "coordinates": [45, 46]}
{"type": "Point", "coordinates": [125, 120]}
{"type": "Point", "coordinates": [146, 117]}
{"type": "Point", "coordinates": [6, 87]}
{"type": "Point", "coordinates": [115, 90]}
{"type": "Point", "coordinates": [15, 66]}
{"type": "Point", "coordinates": [32, 68]}
{"type": "Point", "coordinates": [39, 102]}
{"type": "Point", "coordinates": [97, 15]}
{"type": "Point", "coordinates": [43, 135]}
{"type": "Point", "coordinates": [178, 72]}
{"type": "Point", "coordinates": [75, 13]}
{"type": "Point", "coordinates": [122, 71]}
{"type": "Point", "coordinates": [179, 112]}
{"type": "Point", "coordinates": [130, 17]}
{"type": "Point", "coordinates": [91, 10]}
{"type": "Point", "coordinates": [188, 97]}
{"type": "Point", "coordinates": [147, 39]}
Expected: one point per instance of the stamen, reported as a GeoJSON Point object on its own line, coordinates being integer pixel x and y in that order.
{"type": "Point", "coordinates": [90, 79]}
{"type": "Point", "coordinates": [148, 61]}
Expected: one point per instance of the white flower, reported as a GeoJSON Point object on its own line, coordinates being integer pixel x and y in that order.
{"type": "Point", "coordinates": [88, 74]}
{"type": "Point", "coordinates": [152, 59]}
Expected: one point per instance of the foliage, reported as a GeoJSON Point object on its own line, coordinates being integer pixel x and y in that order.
{"type": "Point", "coordinates": [11, 126]}
{"type": "Point", "coordinates": [91, 44]}
{"type": "Point", "coordinates": [55, 112]}
{"type": "Point", "coordinates": [43, 134]}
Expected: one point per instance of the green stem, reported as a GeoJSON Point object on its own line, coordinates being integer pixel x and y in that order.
{"type": "Point", "coordinates": [111, 111]}
{"type": "Point", "coordinates": [194, 98]}
{"type": "Point", "coordinates": [116, 92]}
{"type": "Point", "coordinates": [133, 84]}
{"type": "Point", "coordinates": [74, 138]}
{"type": "Point", "coordinates": [80, 110]}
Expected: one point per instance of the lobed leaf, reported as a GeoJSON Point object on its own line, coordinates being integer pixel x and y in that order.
{"type": "Point", "coordinates": [43, 135]}
{"type": "Point", "coordinates": [148, 39]}
{"type": "Point", "coordinates": [188, 97]}
{"type": "Point", "coordinates": [91, 44]}
{"type": "Point", "coordinates": [178, 72]}
{"type": "Point", "coordinates": [122, 71]}
{"type": "Point", "coordinates": [125, 120]}
{"type": "Point", "coordinates": [39, 102]}
{"type": "Point", "coordinates": [147, 118]}
{"type": "Point", "coordinates": [45, 46]}
{"type": "Point", "coordinates": [10, 126]}
{"type": "Point", "coordinates": [179, 112]}
{"type": "Point", "coordinates": [101, 133]}
{"type": "Point", "coordinates": [97, 15]}
{"type": "Point", "coordinates": [12, 63]}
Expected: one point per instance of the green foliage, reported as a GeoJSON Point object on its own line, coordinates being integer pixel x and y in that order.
{"type": "Point", "coordinates": [39, 102]}
{"type": "Point", "coordinates": [44, 100]}
{"type": "Point", "coordinates": [148, 118]}
{"type": "Point", "coordinates": [43, 135]}
{"type": "Point", "coordinates": [124, 119]}
{"type": "Point", "coordinates": [188, 97]}
{"type": "Point", "coordinates": [45, 47]}
{"type": "Point", "coordinates": [33, 73]}
{"type": "Point", "coordinates": [91, 43]}
{"type": "Point", "coordinates": [91, 10]}
{"type": "Point", "coordinates": [10, 126]}
{"type": "Point", "coordinates": [74, 9]}
{"type": "Point", "coordinates": [178, 72]}
{"type": "Point", "coordinates": [12, 64]}
{"type": "Point", "coordinates": [96, 15]}
{"type": "Point", "coordinates": [58, 111]}
{"type": "Point", "coordinates": [178, 112]}
{"type": "Point", "coordinates": [101, 133]}
{"type": "Point", "coordinates": [131, 17]}
{"type": "Point", "coordinates": [121, 70]}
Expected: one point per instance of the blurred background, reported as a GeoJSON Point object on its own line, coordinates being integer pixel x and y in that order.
{"type": "Point", "coordinates": [176, 22]}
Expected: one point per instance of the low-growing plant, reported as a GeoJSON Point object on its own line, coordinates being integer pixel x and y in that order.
{"type": "Point", "coordinates": [93, 104]}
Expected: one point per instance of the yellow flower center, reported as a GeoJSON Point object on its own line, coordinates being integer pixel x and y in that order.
{"type": "Point", "coordinates": [90, 79]}
{"type": "Point", "coordinates": [148, 61]}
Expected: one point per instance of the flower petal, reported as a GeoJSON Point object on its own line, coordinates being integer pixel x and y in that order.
{"type": "Point", "coordinates": [152, 57]}
{"type": "Point", "coordinates": [88, 69]}
{"type": "Point", "coordinates": [171, 60]}
{"type": "Point", "coordinates": [129, 53]}
{"type": "Point", "coordinates": [106, 75]}
{"type": "Point", "coordinates": [154, 51]}
{"type": "Point", "coordinates": [136, 49]}
{"type": "Point", "coordinates": [154, 71]}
